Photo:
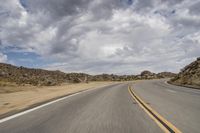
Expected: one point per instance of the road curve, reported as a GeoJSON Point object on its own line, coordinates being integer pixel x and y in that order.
{"type": "Point", "coordinates": [179, 105]}
{"type": "Point", "coordinates": [109, 109]}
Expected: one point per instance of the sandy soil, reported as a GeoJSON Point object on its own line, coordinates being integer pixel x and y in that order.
{"type": "Point", "coordinates": [24, 98]}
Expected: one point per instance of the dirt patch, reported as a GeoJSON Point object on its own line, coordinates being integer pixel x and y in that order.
{"type": "Point", "coordinates": [23, 98]}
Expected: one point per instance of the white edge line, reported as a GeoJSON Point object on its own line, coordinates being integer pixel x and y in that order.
{"type": "Point", "coordinates": [188, 89]}
{"type": "Point", "coordinates": [169, 90]}
{"type": "Point", "coordinates": [41, 106]}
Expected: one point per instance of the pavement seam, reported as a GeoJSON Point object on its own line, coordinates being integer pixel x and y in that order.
{"type": "Point", "coordinates": [165, 125]}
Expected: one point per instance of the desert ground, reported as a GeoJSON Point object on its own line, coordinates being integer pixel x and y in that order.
{"type": "Point", "coordinates": [13, 99]}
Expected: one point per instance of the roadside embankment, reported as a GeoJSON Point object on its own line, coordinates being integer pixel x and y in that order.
{"type": "Point", "coordinates": [22, 98]}
{"type": "Point", "coordinates": [189, 76]}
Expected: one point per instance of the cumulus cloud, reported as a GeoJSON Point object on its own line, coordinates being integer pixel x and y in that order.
{"type": "Point", "coordinates": [103, 36]}
{"type": "Point", "coordinates": [3, 58]}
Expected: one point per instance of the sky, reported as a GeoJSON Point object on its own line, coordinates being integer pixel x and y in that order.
{"type": "Point", "coordinates": [100, 36]}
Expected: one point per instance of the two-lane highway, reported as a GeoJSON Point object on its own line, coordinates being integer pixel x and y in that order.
{"type": "Point", "coordinates": [112, 109]}
{"type": "Point", "coordinates": [106, 110]}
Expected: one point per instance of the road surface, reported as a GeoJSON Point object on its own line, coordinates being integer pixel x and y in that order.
{"type": "Point", "coordinates": [106, 110]}
{"type": "Point", "coordinates": [111, 109]}
{"type": "Point", "coordinates": [179, 105]}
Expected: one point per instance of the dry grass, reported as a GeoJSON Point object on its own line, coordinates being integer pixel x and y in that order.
{"type": "Point", "coordinates": [18, 98]}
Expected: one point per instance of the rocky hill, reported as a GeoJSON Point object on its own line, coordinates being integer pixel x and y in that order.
{"type": "Point", "coordinates": [150, 75]}
{"type": "Point", "coordinates": [39, 77]}
{"type": "Point", "coordinates": [166, 75]}
{"type": "Point", "coordinates": [22, 76]}
{"type": "Point", "coordinates": [112, 77]}
{"type": "Point", "coordinates": [189, 75]}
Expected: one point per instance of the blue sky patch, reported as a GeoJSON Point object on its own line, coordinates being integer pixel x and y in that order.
{"type": "Point", "coordinates": [127, 2]}
{"type": "Point", "coordinates": [24, 4]}
{"type": "Point", "coordinates": [26, 59]}
{"type": "Point", "coordinates": [130, 2]}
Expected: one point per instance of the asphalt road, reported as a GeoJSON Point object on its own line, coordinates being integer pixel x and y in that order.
{"type": "Point", "coordinates": [106, 110]}
{"type": "Point", "coordinates": [179, 105]}
{"type": "Point", "coordinates": [111, 109]}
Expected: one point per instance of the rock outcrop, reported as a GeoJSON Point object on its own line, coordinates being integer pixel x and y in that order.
{"type": "Point", "coordinates": [148, 75]}
{"type": "Point", "coordinates": [166, 75]}
{"type": "Point", "coordinates": [189, 75]}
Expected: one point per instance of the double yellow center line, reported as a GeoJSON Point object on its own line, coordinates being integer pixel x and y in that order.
{"type": "Point", "coordinates": [165, 125]}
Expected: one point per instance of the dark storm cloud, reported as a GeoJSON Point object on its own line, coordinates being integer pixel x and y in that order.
{"type": "Point", "coordinates": [195, 8]}
{"type": "Point", "coordinates": [143, 4]}
{"type": "Point", "coordinates": [172, 2]}
{"type": "Point", "coordinates": [58, 8]}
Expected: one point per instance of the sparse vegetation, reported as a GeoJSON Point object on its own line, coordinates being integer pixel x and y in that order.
{"type": "Point", "coordinates": [36, 77]}
{"type": "Point", "coordinates": [22, 76]}
{"type": "Point", "coordinates": [189, 75]}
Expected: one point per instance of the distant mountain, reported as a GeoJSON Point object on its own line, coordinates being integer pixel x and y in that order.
{"type": "Point", "coordinates": [39, 77]}
{"type": "Point", "coordinates": [189, 75]}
